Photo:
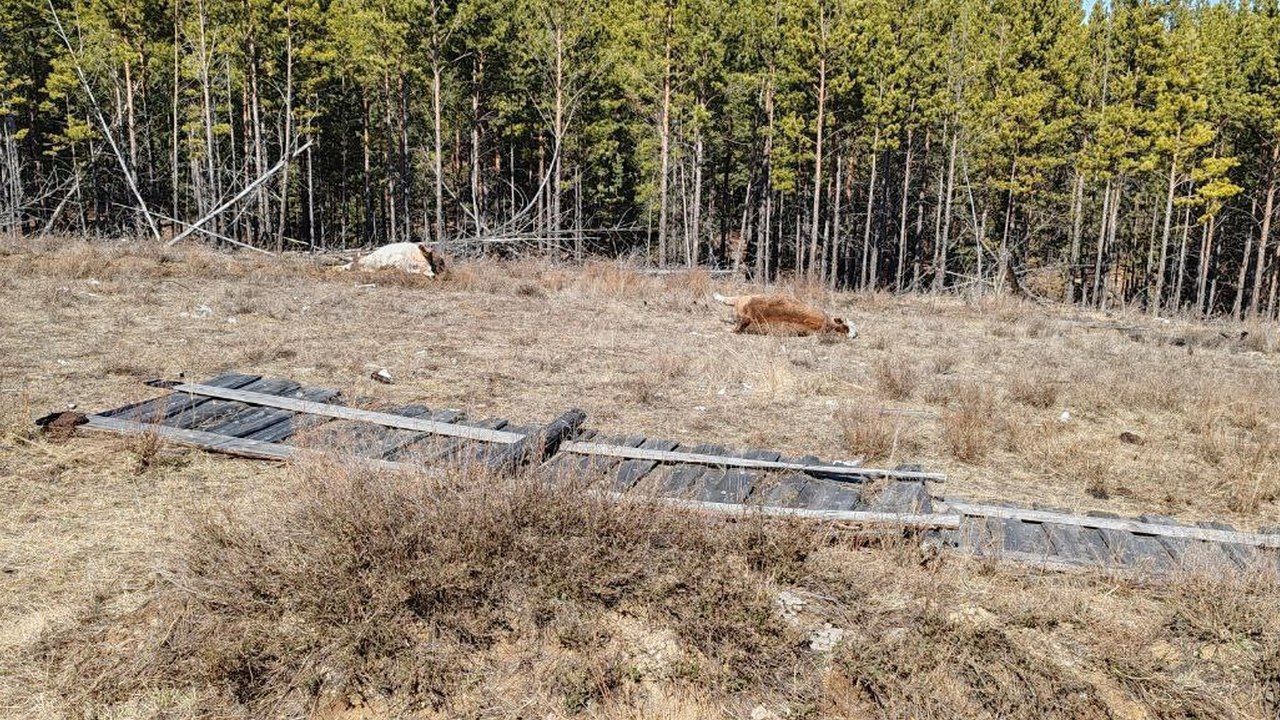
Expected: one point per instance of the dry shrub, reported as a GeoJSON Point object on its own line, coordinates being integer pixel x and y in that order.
{"type": "Point", "coordinates": [1034, 389]}
{"type": "Point", "coordinates": [896, 377]}
{"type": "Point", "coordinates": [1259, 338]}
{"type": "Point", "coordinates": [613, 280]}
{"type": "Point", "coordinates": [1225, 606]}
{"type": "Point", "coordinates": [968, 423]}
{"type": "Point", "coordinates": [696, 283]}
{"type": "Point", "coordinates": [415, 590]}
{"type": "Point", "coordinates": [875, 435]}
{"type": "Point", "coordinates": [866, 432]}
{"type": "Point", "coordinates": [944, 363]}
{"type": "Point", "coordinates": [1250, 473]}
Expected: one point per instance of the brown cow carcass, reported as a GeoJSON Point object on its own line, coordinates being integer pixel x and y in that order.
{"type": "Point", "coordinates": [783, 315]}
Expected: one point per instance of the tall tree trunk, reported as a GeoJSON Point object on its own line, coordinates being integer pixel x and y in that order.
{"type": "Point", "coordinates": [944, 240]}
{"type": "Point", "coordinates": [287, 144]}
{"type": "Point", "coordinates": [437, 128]}
{"type": "Point", "coordinates": [696, 210]}
{"type": "Point", "coordinates": [902, 219]}
{"type": "Point", "coordinates": [1238, 305]}
{"type": "Point", "coordinates": [865, 276]}
{"type": "Point", "coordinates": [558, 130]}
{"type": "Point", "coordinates": [664, 138]}
{"type": "Point", "coordinates": [836, 233]}
{"type": "Point", "coordinates": [1202, 271]}
{"type": "Point", "coordinates": [817, 165]}
{"type": "Point", "coordinates": [1158, 300]}
{"type": "Point", "coordinates": [1176, 300]}
{"type": "Point", "coordinates": [1094, 297]}
{"type": "Point", "coordinates": [476, 201]}
{"type": "Point", "coordinates": [1077, 234]}
{"type": "Point", "coordinates": [1268, 210]}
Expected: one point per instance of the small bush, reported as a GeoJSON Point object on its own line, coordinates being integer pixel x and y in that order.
{"type": "Point", "coordinates": [401, 589]}
{"type": "Point", "coordinates": [866, 433]}
{"type": "Point", "coordinates": [875, 435]}
{"type": "Point", "coordinates": [1034, 389]}
{"type": "Point", "coordinates": [968, 424]}
{"type": "Point", "coordinates": [944, 363]}
{"type": "Point", "coordinates": [897, 378]}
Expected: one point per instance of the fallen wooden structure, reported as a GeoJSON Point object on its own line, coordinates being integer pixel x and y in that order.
{"type": "Point", "coordinates": [281, 420]}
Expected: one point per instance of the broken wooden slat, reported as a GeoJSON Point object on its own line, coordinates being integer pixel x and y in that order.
{"type": "Point", "coordinates": [537, 444]}
{"type": "Point", "coordinates": [933, 520]}
{"type": "Point", "coordinates": [259, 418]}
{"type": "Point", "coordinates": [294, 424]}
{"type": "Point", "coordinates": [631, 471]}
{"type": "Point", "coordinates": [240, 447]}
{"type": "Point", "coordinates": [680, 479]}
{"type": "Point", "coordinates": [349, 413]}
{"type": "Point", "coordinates": [1121, 524]}
{"type": "Point", "coordinates": [207, 415]}
{"type": "Point", "coordinates": [402, 448]}
{"type": "Point", "coordinates": [839, 471]}
{"type": "Point", "coordinates": [166, 406]}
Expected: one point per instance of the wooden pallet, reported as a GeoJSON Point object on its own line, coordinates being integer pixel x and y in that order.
{"type": "Point", "coordinates": [278, 419]}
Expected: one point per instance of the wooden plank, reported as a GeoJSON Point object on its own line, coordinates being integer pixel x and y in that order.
{"type": "Point", "coordinates": [237, 447]}
{"type": "Point", "coordinates": [240, 447]}
{"type": "Point", "coordinates": [244, 424]}
{"type": "Point", "coordinates": [349, 413]}
{"type": "Point", "coordinates": [243, 447]}
{"type": "Point", "coordinates": [404, 449]}
{"type": "Point", "coordinates": [209, 414]}
{"type": "Point", "coordinates": [452, 449]}
{"type": "Point", "coordinates": [294, 424]}
{"type": "Point", "coordinates": [1102, 523]}
{"type": "Point", "coordinates": [666, 456]}
{"type": "Point", "coordinates": [590, 468]}
{"type": "Point", "coordinates": [933, 520]}
{"type": "Point", "coordinates": [631, 471]}
{"type": "Point", "coordinates": [367, 439]}
{"type": "Point", "coordinates": [680, 479]}
{"type": "Point", "coordinates": [166, 406]}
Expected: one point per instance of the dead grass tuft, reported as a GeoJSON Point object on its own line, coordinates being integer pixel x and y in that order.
{"type": "Point", "coordinates": [896, 377]}
{"type": "Point", "coordinates": [1034, 388]}
{"type": "Point", "coordinates": [874, 435]}
{"type": "Point", "coordinates": [968, 423]}
{"type": "Point", "coordinates": [410, 590]}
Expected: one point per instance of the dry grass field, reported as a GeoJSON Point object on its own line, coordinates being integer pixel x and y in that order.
{"type": "Point", "coordinates": [143, 581]}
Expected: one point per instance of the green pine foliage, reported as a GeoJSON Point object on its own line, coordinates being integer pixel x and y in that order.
{"type": "Point", "coordinates": [1121, 153]}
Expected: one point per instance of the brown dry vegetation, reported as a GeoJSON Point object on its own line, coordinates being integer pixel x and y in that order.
{"type": "Point", "coordinates": [139, 580]}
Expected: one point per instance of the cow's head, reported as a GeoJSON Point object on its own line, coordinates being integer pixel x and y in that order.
{"type": "Point", "coordinates": [838, 326]}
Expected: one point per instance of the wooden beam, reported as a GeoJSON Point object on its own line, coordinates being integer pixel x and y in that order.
{"type": "Point", "coordinates": [259, 450]}
{"type": "Point", "coordinates": [225, 444]}
{"type": "Point", "coordinates": [349, 413]}
{"type": "Point", "coordinates": [861, 517]}
{"type": "Point", "coordinates": [588, 448]}
{"type": "Point", "coordinates": [1104, 523]}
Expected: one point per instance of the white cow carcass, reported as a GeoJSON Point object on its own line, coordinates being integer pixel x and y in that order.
{"type": "Point", "coordinates": [413, 258]}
